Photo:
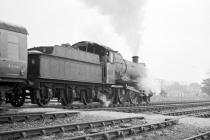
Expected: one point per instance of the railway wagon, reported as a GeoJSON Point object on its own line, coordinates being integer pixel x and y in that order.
{"type": "Point", "coordinates": [13, 63]}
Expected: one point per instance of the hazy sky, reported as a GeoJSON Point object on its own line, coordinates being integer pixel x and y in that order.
{"type": "Point", "coordinates": [173, 36]}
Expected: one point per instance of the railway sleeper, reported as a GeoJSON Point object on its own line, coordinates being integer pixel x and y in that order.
{"type": "Point", "coordinates": [27, 133]}
{"type": "Point", "coordinates": [121, 133]}
{"type": "Point", "coordinates": [33, 116]}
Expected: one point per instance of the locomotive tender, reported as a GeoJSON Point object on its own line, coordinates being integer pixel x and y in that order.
{"type": "Point", "coordinates": [85, 72]}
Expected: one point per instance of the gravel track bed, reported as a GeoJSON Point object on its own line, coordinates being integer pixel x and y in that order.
{"type": "Point", "coordinates": [82, 117]}
{"type": "Point", "coordinates": [33, 110]}
{"type": "Point", "coordinates": [176, 132]}
{"type": "Point", "coordinates": [187, 127]}
{"type": "Point", "coordinates": [134, 122]}
{"type": "Point", "coordinates": [183, 109]}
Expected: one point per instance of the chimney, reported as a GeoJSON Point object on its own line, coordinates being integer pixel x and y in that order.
{"type": "Point", "coordinates": [135, 59]}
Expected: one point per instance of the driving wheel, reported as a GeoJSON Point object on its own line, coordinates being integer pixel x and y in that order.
{"type": "Point", "coordinates": [44, 97]}
{"type": "Point", "coordinates": [85, 97]}
{"type": "Point", "coordinates": [133, 97]}
{"type": "Point", "coordinates": [67, 98]}
{"type": "Point", "coordinates": [17, 99]}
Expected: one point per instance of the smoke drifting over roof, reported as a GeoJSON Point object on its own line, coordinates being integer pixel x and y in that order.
{"type": "Point", "coordinates": [125, 16]}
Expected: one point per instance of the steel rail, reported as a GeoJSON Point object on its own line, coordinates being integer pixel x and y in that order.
{"type": "Point", "coordinates": [132, 105]}
{"type": "Point", "coordinates": [27, 133]}
{"type": "Point", "coordinates": [154, 108]}
{"type": "Point", "coordinates": [204, 115]}
{"type": "Point", "coordinates": [186, 112]}
{"type": "Point", "coordinates": [202, 136]}
{"type": "Point", "coordinates": [124, 132]}
{"type": "Point", "coordinates": [10, 118]}
{"type": "Point", "coordinates": [99, 106]}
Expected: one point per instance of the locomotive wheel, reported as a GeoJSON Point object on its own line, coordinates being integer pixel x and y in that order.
{"type": "Point", "coordinates": [1, 99]}
{"type": "Point", "coordinates": [122, 97]}
{"type": "Point", "coordinates": [141, 99]}
{"type": "Point", "coordinates": [133, 97]}
{"type": "Point", "coordinates": [44, 97]}
{"type": "Point", "coordinates": [85, 98]}
{"type": "Point", "coordinates": [43, 101]}
{"type": "Point", "coordinates": [147, 99]}
{"type": "Point", "coordinates": [67, 98]}
{"type": "Point", "coordinates": [18, 98]}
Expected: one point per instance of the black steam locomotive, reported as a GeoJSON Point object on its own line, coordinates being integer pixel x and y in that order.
{"type": "Point", "coordinates": [86, 72]}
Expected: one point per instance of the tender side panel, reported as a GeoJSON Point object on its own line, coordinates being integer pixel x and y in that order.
{"type": "Point", "coordinates": [13, 54]}
{"type": "Point", "coordinates": [52, 67]}
{"type": "Point", "coordinates": [71, 53]}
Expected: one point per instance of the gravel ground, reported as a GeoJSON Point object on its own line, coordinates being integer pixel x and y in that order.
{"type": "Point", "coordinates": [187, 126]}
{"type": "Point", "coordinates": [83, 116]}
{"type": "Point", "coordinates": [30, 110]}
{"type": "Point", "coordinates": [90, 131]}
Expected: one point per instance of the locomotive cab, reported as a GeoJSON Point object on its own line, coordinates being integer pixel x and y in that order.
{"type": "Point", "coordinates": [106, 56]}
{"type": "Point", "coordinates": [101, 50]}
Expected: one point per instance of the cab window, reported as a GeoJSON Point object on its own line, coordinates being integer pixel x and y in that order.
{"type": "Point", "coordinates": [111, 57]}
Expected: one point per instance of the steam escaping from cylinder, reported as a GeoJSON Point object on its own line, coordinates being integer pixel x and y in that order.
{"type": "Point", "coordinates": [148, 83]}
{"type": "Point", "coordinates": [125, 17]}
{"type": "Point", "coordinates": [103, 99]}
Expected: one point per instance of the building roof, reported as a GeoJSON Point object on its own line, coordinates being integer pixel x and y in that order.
{"type": "Point", "coordinates": [14, 28]}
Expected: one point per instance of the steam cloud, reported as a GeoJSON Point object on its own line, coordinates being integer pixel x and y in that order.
{"type": "Point", "coordinates": [148, 83]}
{"type": "Point", "coordinates": [125, 16]}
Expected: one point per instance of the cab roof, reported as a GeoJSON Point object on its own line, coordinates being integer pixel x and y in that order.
{"type": "Point", "coordinates": [14, 28]}
{"type": "Point", "coordinates": [89, 43]}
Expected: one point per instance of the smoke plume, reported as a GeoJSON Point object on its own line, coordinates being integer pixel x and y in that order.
{"type": "Point", "coordinates": [148, 83]}
{"type": "Point", "coordinates": [125, 16]}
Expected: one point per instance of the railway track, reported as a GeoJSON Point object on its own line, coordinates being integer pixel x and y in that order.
{"type": "Point", "coordinates": [202, 136]}
{"type": "Point", "coordinates": [27, 133]}
{"type": "Point", "coordinates": [156, 109]}
{"type": "Point", "coordinates": [125, 132]}
{"type": "Point", "coordinates": [203, 115]}
{"type": "Point", "coordinates": [96, 105]}
{"type": "Point", "coordinates": [115, 133]}
{"type": "Point", "coordinates": [119, 132]}
{"type": "Point", "coordinates": [10, 118]}
{"type": "Point", "coordinates": [91, 106]}
{"type": "Point", "coordinates": [187, 112]}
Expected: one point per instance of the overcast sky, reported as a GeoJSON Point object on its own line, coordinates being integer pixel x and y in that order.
{"type": "Point", "coordinates": [171, 36]}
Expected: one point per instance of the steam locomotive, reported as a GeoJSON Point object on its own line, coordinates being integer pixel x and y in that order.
{"type": "Point", "coordinates": [85, 71]}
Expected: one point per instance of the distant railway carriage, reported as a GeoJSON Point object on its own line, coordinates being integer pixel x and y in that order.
{"type": "Point", "coordinates": [13, 63]}
{"type": "Point", "coordinates": [85, 72]}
